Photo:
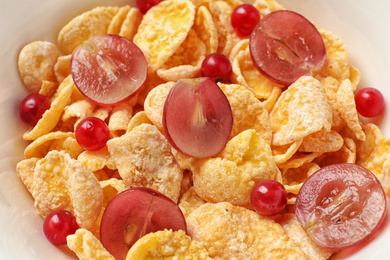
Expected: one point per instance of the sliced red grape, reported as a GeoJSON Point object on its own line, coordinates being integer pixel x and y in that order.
{"type": "Point", "coordinates": [108, 69]}
{"type": "Point", "coordinates": [145, 5]}
{"type": "Point", "coordinates": [285, 46]}
{"type": "Point", "coordinates": [197, 117]}
{"type": "Point", "coordinates": [341, 205]}
{"type": "Point", "coordinates": [135, 213]}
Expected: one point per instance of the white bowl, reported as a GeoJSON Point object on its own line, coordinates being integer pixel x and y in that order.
{"type": "Point", "coordinates": [361, 24]}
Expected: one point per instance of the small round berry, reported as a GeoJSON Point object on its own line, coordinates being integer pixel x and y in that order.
{"type": "Point", "coordinates": [32, 108]}
{"type": "Point", "coordinates": [269, 197]}
{"type": "Point", "coordinates": [92, 133]}
{"type": "Point", "coordinates": [58, 225]}
{"type": "Point", "coordinates": [145, 5]}
{"type": "Point", "coordinates": [369, 102]}
{"type": "Point", "coordinates": [244, 19]}
{"type": "Point", "coordinates": [217, 67]}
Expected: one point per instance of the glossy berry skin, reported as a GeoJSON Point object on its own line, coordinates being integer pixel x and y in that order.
{"type": "Point", "coordinates": [58, 225]}
{"type": "Point", "coordinates": [244, 19]}
{"type": "Point", "coordinates": [32, 108]}
{"type": "Point", "coordinates": [145, 5]}
{"type": "Point", "coordinates": [369, 102]}
{"type": "Point", "coordinates": [217, 67]}
{"type": "Point", "coordinates": [92, 133]}
{"type": "Point", "coordinates": [269, 197]}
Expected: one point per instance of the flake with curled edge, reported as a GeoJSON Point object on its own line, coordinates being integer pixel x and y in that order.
{"type": "Point", "coordinates": [246, 160]}
{"type": "Point", "coordinates": [120, 118]}
{"type": "Point", "coordinates": [144, 159]}
{"type": "Point", "coordinates": [116, 22]}
{"type": "Point", "coordinates": [233, 232]}
{"type": "Point", "coordinates": [206, 30]}
{"type": "Point", "coordinates": [87, 246]}
{"type": "Point", "coordinates": [130, 24]}
{"type": "Point", "coordinates": [248, 112]}
{"type": "Point", "coordinates": [60, 182]}
{"type": "Point", "coordinates": [40, 147]}
{"type": "Point", "coordinates": [346, 154]}
{"type": "Point", "coordinates": [301, 110]}
{"type": "Point", "coordinates": [78, 111]}
{"type": "Point", "coordinates": [168, 245]}
{"type": "Point", "coordinates": [154, 103]}
{"type": "Point", "coordinates": [36, 63]}
{"type": "Point", "coordinates": [345, 101]}
{"type": "Point", "coordinates": [293, 178]}
{"type": "Point", "coordinates": [111, 188]}
{"type": "Point", "coordinates": [186, 61]}
{"type": "Point", "coordinates": [285, 152]}
{"type": "Point", "coordinates": [247, 75]}
{"type": "Point", "coordinates": [163, 29]}
{"type": "Point", "coordinates": [97, 160]}
{"type": "Point", "coordinates": [138, 119]}
{"type": "Point", "coordinates": [62, 67]}
{"type": "Point", "coordinates": [52, 116]}
{"type": "Point", "coordinates": [190, 201]}
{"type": "Point", "coordinates": [321, 142]}
{"type": "Point", "coordinates": [267, 6]}
{"type": "Point", "coordinates": [90, 23]}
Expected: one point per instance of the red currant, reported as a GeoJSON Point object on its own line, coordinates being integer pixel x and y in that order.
{"type": "Point", "coordinates": [92, 133]}
{"type": "Point", "coordinates": [369, 102]}
{"type": "Point", "coordinates": [32, 108]}
{"type": "Point", "coordinates": [217, 67]}
{"type": "Point", "coordinates": [145, 5]}
{"type": "Point", "coordinates": [244, 19]}
{"type": "Point", "coordinates": [58, 225]}
{"type": "Point", "coordinates": [268, 197]}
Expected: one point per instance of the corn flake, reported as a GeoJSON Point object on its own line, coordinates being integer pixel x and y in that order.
{"type": "Point", "coordinates": [190, 201]}
{"type": "Point", "coordinates": [87, 246]}
{"type": "Point", "coordinates": [144, 159]}
{"type": "Point", "coordinates": [118, 19]}
{"type": "Point", "coordinates": [301, 110]}
{"type": "Point", "coordinates": [163, 29]}
{"type": "Point", "coordinates": [321, 142]}
{"type": "Point", "coordinates": [233, 232]}
{"type": "Point", "coordinates": [131, 23]}
{"type": "Point", "coordinates": [120, 118]}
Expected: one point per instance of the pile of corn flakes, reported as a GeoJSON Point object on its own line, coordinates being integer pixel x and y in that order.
{"type": "Point", "coordinates": [279, 133]}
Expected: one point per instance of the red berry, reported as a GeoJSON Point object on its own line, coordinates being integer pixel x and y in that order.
{"type": "Point", "coordinates": [268, 197]}
{"type": "Point", "coordinates": [369, 102]}
{"type": "Point", "coordinates": [58, 225]}
{"type": "Point", "coordinates": [244, 19]}
{"type": "Point", "coordinates": [145, 5]}
{"type": "Point", "coordinates": [92, 133]}
{"type": "Point", "coordinates": [217, 67]}
{"type": "Point", "coordinates": [32, 108]}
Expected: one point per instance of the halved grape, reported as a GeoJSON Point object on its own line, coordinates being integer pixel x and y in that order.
{"type": "Point", "coordinates": [135, 213]}
{"type": "Point", "coordinates": [341, 205]}
{"type": "Point", "coordinates": [197, 117]}
{"type": "Point", "coordinates": [285, 46]}
{"type": "Point", "coordinates": [108, 69]}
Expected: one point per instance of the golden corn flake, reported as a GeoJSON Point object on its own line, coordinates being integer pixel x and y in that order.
{"type": "Point", "coordinates": [130, 24]}
{"type": "Point", "coordinates": [206, 30]}
{"type": "Point", "coordinates": [246, 160]}
{"type": "Point", "coordinates": [163, 29]}
{"type": "Point", "coordinates": [283, 153]}
{"type": "Point", "coordinates": [337, 59]}
{"type": "Point", "coordinates": [347, 108]}
{"type": "Point", "coordinates": [354, 77]}
{"type": "Point", "coordinates": [78, 111]}
{"type": "Point", "coordinates": [25, 170]}
{"type": "Point", "coordinates": [40, 147]}
{"type": "Point", "coordinates": [60, 182]}
{"type": "Point", "coordinates": [186, 61]}
{"type": "Point", "coordinates": [97, 160]}
{"type": "Point", "coordinates": [248, 112]}
{"type": "Point", "coordinates": [167, 245]}
{"type": "Point", "coordinates": [144, 159]}
{"type": "Point", "coordinates": [138, 119]}
{"type": "Point", "coordinates": [233, 232]}
{"type": "Point", "coordinates": [36, 63]}
{"type": "Point", "coordinates": [111, 188]}
{"type": "Point", "coordinates": [221, 12]}
{"type": "Point", "coordinates": [267, 6]}
{"type": "Point", "coordinates": [190, 201]}
{"type": "Point", "coordinates": [48, 88]}
{"type": "Point", "coordinates": [299, 159]}
{"type": "Point", "coordinates": [154, 103]}
{"type": "Point", "coordinates": [246, 74]}
{"type": "Point", "coordinates": [118, 19]}
{"type": "Point", "coordinates": [51, 117]}
{"type": "Point", "coordinates": [321, 142]}
{"type": "Point", "coordinates": [120, 118]}
{"type": "Point", "coordinates": [152, 81]}
{"type": "Point", "coordinates": [298, 235]}
{"type": "Point", "coordinates": [301, 110]}
{"type": "Point", "coordinates": [87, 246]}
{"type": "Point", "coordinates": [293, 178]}
{"type": "Point", "coordinates": [62, 67]}
{"type": "Point", "coordinates": [346, 154]}
{"type": "Point", "coordinates": [80, 28]}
